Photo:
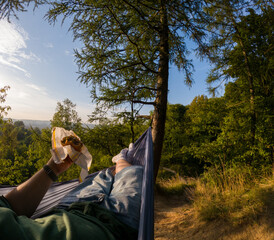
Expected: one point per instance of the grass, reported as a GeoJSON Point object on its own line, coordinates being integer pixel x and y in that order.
{"type": "Point", "coordinates": [231, 194]}
{"type": "Point", "coordinates": [173, 186]}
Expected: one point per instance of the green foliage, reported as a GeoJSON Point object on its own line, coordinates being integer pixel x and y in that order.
{"type": "Point", "coordinates": [14, 141]}
{"type": "Point", "coordinates": [205, 118]}
{"type": "Point", "coordinates": [66, 116]}
{"type": "Point", "coordinates": [175, 128]}
{"type": "Point", "coordinates": [243, 52]}
{"type": "Point", "coordinates": [215, 131]}
{"type": "Point", "coordinates": [16, 166]}
{"type": "Point", "coordinates": [122, 43]}
{"type": "Point", "coordinates": [190, 131]}
{"type": "Point", "coordinates": [8, 140]}
{"type": "Point", "coordinates": [6, 175]}
{"type": "Point", "coordinates": [3, 94]}
{"type": "Point", "coordinates": [72, 173]}
{"type": "Point", "coordinates": [10, 8]}
{"type": "Point", "coordinates": [175, 139]}
{"type": "Point", "coordinates": [236, 128]}
{"type": "Point", "coordinates": [39, 149]}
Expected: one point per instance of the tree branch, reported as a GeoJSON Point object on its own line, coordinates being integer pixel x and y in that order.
{"type": "Point", "coordinates": [144, 87]}
{"type": "Point", "coordinates": [141, 15]}
{"type": "Point", "coordinates": [142, 102]}
{"type": "Point", "coordinates": [144, 116]}
{"type": "Point", "coordinates": [135, 44]}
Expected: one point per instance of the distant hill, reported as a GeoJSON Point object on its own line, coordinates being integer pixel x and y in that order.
{"type": "Point", "coordinates": [42, 123]}
{"type": "Point", "coordinates": [34, 123]}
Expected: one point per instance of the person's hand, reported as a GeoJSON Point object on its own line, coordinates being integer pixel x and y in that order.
{"type": "Point", "coordinates": [60, 168]}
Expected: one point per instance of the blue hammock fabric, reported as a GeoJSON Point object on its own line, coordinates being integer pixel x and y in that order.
{"type": "Point", "coordinates": [62, 194]}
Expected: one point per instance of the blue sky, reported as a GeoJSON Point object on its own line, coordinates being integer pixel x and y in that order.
{"type": "Point", "coordinates": [37, 62]}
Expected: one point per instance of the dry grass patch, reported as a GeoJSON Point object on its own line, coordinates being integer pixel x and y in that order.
{"type": "Point", "coordinates": [174, 186]}
{"type": "Point", "coordinates": [235, 197]}
{"type": "Point", "coordinates": [176, 218]}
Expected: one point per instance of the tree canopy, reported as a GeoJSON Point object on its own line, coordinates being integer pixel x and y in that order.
{"type": "Point", "coordinates": [128, 46]}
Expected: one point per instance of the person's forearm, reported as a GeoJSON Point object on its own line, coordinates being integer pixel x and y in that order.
{"type": "Point", "coordinates": [25, 198]}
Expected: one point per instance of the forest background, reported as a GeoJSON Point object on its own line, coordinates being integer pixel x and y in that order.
{"type": "Point", "coordinates": [216, 139]}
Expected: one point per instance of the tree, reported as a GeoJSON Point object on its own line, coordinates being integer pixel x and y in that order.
{"type": "Point", "coordinates": [3, 95]}
{"type": "Point", "coordinates": [175, 138]}
{"type": "Point", "coordinates": [257, 36]}
{"type": "Point", "coordinates": [127, 116]}
{"type": "Point", "coordinates": [242, 47]}
{"type": "Point", "coordinates": [131, 44]}
{"type": "Point", "coordinates": [191, 132]}
{"type": "Point", "coordinates": [175, 130]}
{"type": "Point", "coordinates": [16, 166]}
{"type": "Point", "coordinates": [10, 8]}
{"type": "Point", "coordinates": [204, 120]}
{"type": "Point", "coordinates": [8, 140]}
{"type": "Point", "coordinates": [66, 116]}
{"type": "Point", "coordinates": [243, 52]}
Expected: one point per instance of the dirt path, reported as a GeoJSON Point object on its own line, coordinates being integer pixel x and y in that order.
{"type": "Point", "coordinates": [175, 219]}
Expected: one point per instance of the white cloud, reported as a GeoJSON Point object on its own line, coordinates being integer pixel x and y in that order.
{"type": "Point", "coordinates": [12, 38]}
{"type": "Point", "coordinates": [27, 100]}
{"type": "Point", "coordinates": [13, 47]}
{"type": "Point", "coordinates": [67, 52]}
{"type": "Point", "coordinates": [38, 89]}
{"type": "Point", "coordinates": [48, 45]}
{"type": "Point", "coordinates": [30, 56]}
{"type": "Point", "coordinates": [10, 63]}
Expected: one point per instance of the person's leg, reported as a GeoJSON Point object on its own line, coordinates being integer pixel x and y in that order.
{"type": "Point", "coordinates": [102, 183]}
{"type": "Point", "coordinates": [99, 188]}
{"type": "Point", "coordinates": [125, 196]}
{"type": "Point", "coordinates": [121, 164]}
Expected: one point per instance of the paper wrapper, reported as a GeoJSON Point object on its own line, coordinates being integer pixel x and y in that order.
{"type": "Point", "coordinates": [59, 152]}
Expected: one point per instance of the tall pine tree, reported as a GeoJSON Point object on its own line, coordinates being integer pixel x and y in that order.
{"type": "Point", "coordinates": [128, 48]}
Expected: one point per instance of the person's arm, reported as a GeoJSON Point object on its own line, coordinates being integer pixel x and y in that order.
{"type": "Point", "coordinates": [25, 198]}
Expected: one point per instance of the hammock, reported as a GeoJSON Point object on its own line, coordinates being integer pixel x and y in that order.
{"type": "Point", "coordinates": [64, 193]}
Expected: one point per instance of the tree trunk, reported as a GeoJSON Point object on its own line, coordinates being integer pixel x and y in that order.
{"type": "Point", "coordinates": [251, 96]}
{"type": "Point", "coordinates": [159, 116]}
{"type": "Point", "coordinates": [251, 86]}
{"type": "Point", "coordinates": [132, 123]}
{"type": "Point", "coordinates": [272, 150]}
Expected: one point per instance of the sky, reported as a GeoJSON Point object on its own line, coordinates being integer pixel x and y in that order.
{"type": "Point", "coordinates": [37, 62]}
